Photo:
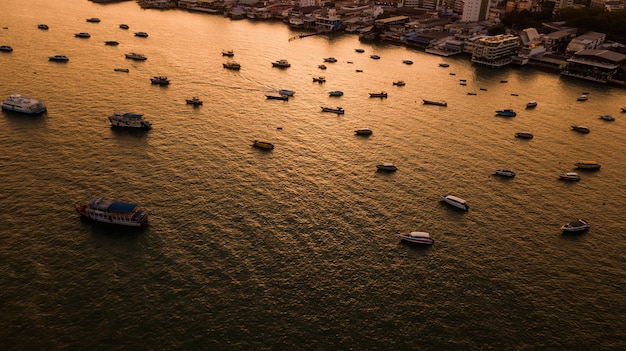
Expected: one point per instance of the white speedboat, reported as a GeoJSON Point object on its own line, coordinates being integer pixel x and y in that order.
{"type": "Point", "coordinates": [113, 212]}
{"type": "Point", "coordinates": [569, 176]}
{"type": "Point", "coordinates": [23, 104]}
{"type": "Point", "coordinates": [583, 98]}
{"type": "Point", "coordinates": [578, 225]}
{"type": "Point", "coordinates": [421, 238]}
{"type": "Point", "coordinates": [387, 167]}
{"type": "Point", "coordinates": [504, 172]}
{"type": "Point", "coordinates": [455, 201]}
{"type": "Point", "coordinates": [129, 120]}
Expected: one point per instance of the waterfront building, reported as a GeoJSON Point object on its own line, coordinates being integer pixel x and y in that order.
{"type": "Point", "coordinates": [475, 10]}
{"type": "Point", "coordinates": [597, 65]}
{"type": "Point", "coordinates": [495, 51]}
{"type": "Point", "coordinates": [519, 5]}
{"type": "Point", "coordinates": [328, 22]}
{"type": "Point", "coordinates": [561, 4]}
{"type": "Point", "coordinates": [587, 41]}
{"type": "Point", "coordinates": [557, 42]}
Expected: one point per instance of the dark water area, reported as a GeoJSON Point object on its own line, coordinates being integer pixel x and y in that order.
{"type": "Point", "coordinates": [295, 248]}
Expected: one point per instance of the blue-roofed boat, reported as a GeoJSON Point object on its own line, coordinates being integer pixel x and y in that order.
{"type": "Point", "coordinates": [113, 212]}
{"type": "Point", "coordinates": [129, 120]}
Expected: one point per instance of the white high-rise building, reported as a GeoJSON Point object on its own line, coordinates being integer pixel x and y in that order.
{"type": "Point", "coordinates": [476, 10]}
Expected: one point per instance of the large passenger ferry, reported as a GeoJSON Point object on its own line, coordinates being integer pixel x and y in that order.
{"type": "Point", "coordinates": [23, 104]}
{"type": "Point", "coordinates": [129, 120]}
{"type": "Point", "coordinates": [113, 212]}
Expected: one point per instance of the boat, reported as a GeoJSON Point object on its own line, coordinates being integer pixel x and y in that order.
{"type": "Point", "coordinates": [113, 212]}
{"type": "Point", "coordinates": [319, 79]}
{"type": "Point", "coordinates": [232, 65]}
{"type": "Point", "coordinates": [286, 92]}
{"type": "Point", "coordinates": [444, 65]}
{"type": "Point", "coordinates": [607, 118]}
{"type": "Point", "coordinates": [93, 20]}
{"type": "Point", "coordinates": [504, 172]}
{"type": "Point", "coordinates": [623, 109]}
{"type": "Point", "coordinates": [141, 34]}
{"type": "Point", "coordinates": [160, 80]}
{"type": "Point", "coordinates": [124, 26]}
{"type": "Point", "coordinates": [135, 56]}
{"type": "Point", "coordinates": [382, 94]}
{"type": "Point", "coordinates": [569, 176]}
{"type": "Point", "coordinates": [455, 201]}
{"type": "Point", "coordinates": [483, 89]}
{"type": "Point", "coordinates": [363, 131]}
{"type": "Point", "coordinates": [194, 101]}
{"type": "Point", "coordinates": [359, 50]}
{"type": "Point", "coordinates": [111, 42]}
{"type": "Point", "coordinates": [42, 26]}
{"type": "Point", "coordinates": [507, 112]}
{"type": "Point", "coordinates": [6, 48]}
{"type": "Point", "coordinates": [359, 70]}
{"type": "Point", "coordinates": [399, 83]}
{"type": "Point", "coordinates": [82, 35]}
{"type": "Point", "coordinates": [504, 81]}
{"type": "Point", "coordinates": [470, 93]}
{"type": "Point", "coordinates": [129, 120]}
{"type": "Point", "coordinates": [407, 62]}
{"type": "Point", "coordinates": [228, 53]}
{"type": "Point", "coordinates": [587, 165]}
{"type": "Point", "coordinates": [282, 63]}
{"type": "Point", "coordinates": [514, 94]}
{"type": "Point", "coordinates": [338, 110]}
{"type": "Point", "coordinates": [524, 135]}
{"type": "Point", "coordinates": [421, 238]}
{"type": "Point", "coordinates": [583, 98]}
{"type": "Point", "coordinates": [581, 129]}
{"type": "Point", "coordinates": [434, 102]}
{"type": "Point", "coordinates": [23, 104]}
{"type": "Point", "coordinates": [531, 104]}
{"type": "Point", "coordinates": [335, 93]}
{"type": "Point", "coordinates": [386, 167]}
{"type": "Point", "coordinates": [375, 57]}
{"type": "Point", "coordinates": [58, 58]}
{"type": "Point", "coordinates": [330, 59]}
{"type": "Point", "coordinates": [263, 144]}
{"type": "Point", "coordinates": [321, 66]}
{"type": "Point", "coordinates": [121, 70]}
{"type": "Point", "coordinates": [578, 225]}
{"type": "Point", "coordinates": [279, 97]}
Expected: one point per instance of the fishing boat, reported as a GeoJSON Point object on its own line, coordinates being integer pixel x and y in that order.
{"type": "Point", "coordinates": [160, 80]}
{"type": "Point", "coordinates": [435, 102]}
{"type": "Point", "coordinates": [587, 165]}
{"type": "Point", "coordinates": [524, 135]}
{"type": "Point", "coordinates": [386, 167]}
{"type": "Point", "coordinates": [113, 212]}
{"type": "Point", "coordinates": [399, 83]}
{"type": "Point", "coordinates": [228, 53]}
{"type": "Point", "coordinates": [277, 97]}
{"type": "Point", "coordinates": [444, 65]}
{"type": "Point", "coordinates": [286, 92]}
{"type": "Point", "coordinates": [319, 79]}
{"type": "Point", "coordinates": [504, 173]}
{"type": "Point", "coordinates": [338, 110]}
{"type": "Point", "coordinates": [124, 26]}
{"type": "Point", "coordinates": [583, 97]}
{"type": "Point", "coordinates": [531, 104]}
{"type": "Point", "coordinates": [232, 65]}
{"type": "Point", "coordinates": [363, 131]}
{"type": "Point", "coordinates": [330, 59]}
{"type": "Point", "coordinates": [359, 50]}
{"type": "Point", "coordinates": [194, 101]}
{"type": "Point", "coordinates": [129, 120]}
{"type": "Point", "coordinates": [507, 112]}
{"type": "Point", "coordinates": [93, 20]}
{"type": "Point", "coordinates": [141, 34]}
{"type": "Point", "coordinates": [321, 66]}
{"type": "Point", "coordinates": [407, 62]}
{"type": "Point", "coordinates": [135, 56]}
{"type": "Point", "coordinates": [335, 93]}
{"type": "Point", "coordinates": [111, 42]}
{"type": "Point", "coordinates": [420, 238]}
{"type": "Point", "coordinates": [82, 35]}
{"type": "Point", "coordinates": [375, 57]}
{"type": "Point", "coordinates": [42, 26]}
{"type": "Point", "coordinates": [282, 63]}
{"type": "Point", "coordinates": [58, 58]}
{"type": "Point", "coordinates": [607, 118]}
{"type": "Point", "coordinates": [382, 94]}
{"type": "Point", "coordinates": [6, 48]}
{"type": "Point", "coordinates": [263, 144]}
{"type": "Point", "coordinates": [23, 104]}
{"type": "Point", "coordinates": [121, 70]}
